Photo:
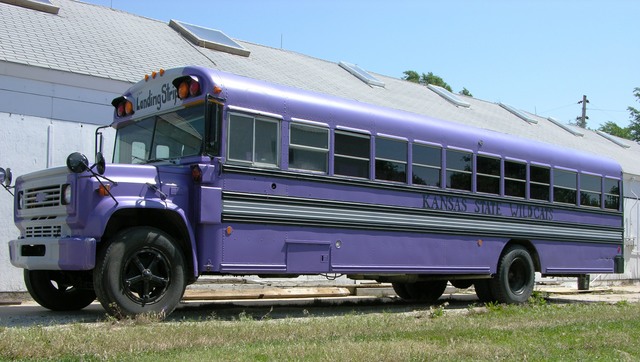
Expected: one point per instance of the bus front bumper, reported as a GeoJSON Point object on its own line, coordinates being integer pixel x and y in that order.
{"type": "Point", "coordinates": [70, 253]}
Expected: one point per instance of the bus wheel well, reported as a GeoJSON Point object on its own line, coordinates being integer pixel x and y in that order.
{"type": "Point", "coordinates": [535, 257]}
{"type": "Point", "coordinates": [165, 220]}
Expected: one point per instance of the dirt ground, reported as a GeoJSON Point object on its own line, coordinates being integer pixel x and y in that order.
{"type": "Point", "coordinates": [282, 300]}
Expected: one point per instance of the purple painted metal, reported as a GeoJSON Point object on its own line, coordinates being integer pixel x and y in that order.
{"type": "Point", "coordinates": [240, 219]}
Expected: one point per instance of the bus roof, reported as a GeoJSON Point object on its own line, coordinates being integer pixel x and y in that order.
{"type": "Point", "coordinates": [290, 102]}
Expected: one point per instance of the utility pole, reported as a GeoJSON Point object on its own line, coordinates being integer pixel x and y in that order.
{"type": "Point", "coordinates": [582, 121]}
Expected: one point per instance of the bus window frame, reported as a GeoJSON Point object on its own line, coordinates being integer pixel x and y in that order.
{"type": "Point", "coordinates": [254, 117]}
{"type": "Point", "coordinates": [295, 146]}
{"type": "Point", "coordinates": [439, 167]}
{"type": "Point", "coordinates": [524, 181]}
{"type": "Point", "coordinates": [447, 169]}
{"type": "Point", "coordinates": [405, 162]}
{"type": "Point", "coordinates": [537, 183]}
{"type": "Point", "coordinates": [499, 176]}
{"type": "Point", "coordinates": [554, 185]}
{"type": "Point", "coordinates": [349, 132]}
{"type": "Point", "coordinates": [605, 193]}
{"type": "Point", "coordinates": [588, 191]}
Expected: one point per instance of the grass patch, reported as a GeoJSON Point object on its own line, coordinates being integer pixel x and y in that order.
{"type": "Point", "coordinates": [535, 331]}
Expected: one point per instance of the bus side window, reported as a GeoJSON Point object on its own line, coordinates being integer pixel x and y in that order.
{"type": "Point", "coordinates": [459, 170]}
{"type": "Point", "coordinates": [351, 156]}
{"type": "Point", "coordinates": [266, 140]}
{"type": "Point", "coordinates": [308, 148]}
{"type": "Point", "coordinates": [515, 179]}
{"type": "Point", "coordinates": [253, 140]}
{"type": "Point", "coordinates": [540, 183]}
{"type": "Point", "coordinates": [488, 175]}
{"type": "Point", "coordinates": [391, 160]}
{"type": "Point", "coordinates": [427, 165]}
{"type": "Point", "coordinates": [611, 194]}
{"type": "Point", "coordinates": [590, 190]}
{"type": "Point", "coordinates": [564, 186]}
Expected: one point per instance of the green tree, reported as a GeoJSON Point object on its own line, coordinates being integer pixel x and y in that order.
{"type": "Point", "coordinates": [634, 114]}
{"type": "Point", "coordinates": [613, 129]}
{"type": "Point", "coordinates": [411, 76]}
{"type": "Point", "coordinates": [465, 92]}
{"type": "Point", "coordinates": [430, 78]}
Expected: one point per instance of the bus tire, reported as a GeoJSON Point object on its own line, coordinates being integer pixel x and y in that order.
{"type": "Point", "coordinates": [461, 283]}
{"type": "Point", "coordinates": [59, 290]}
{"type": "Point", "coordinates": [427, 291]}
{"type": "Point", "coordinates": [515, 277]}
{"type": "Point", "coordinates": [141, 271]}
{"type": "Point", "coordinates": [483, 290]}
{"type": "Point", "coordinates": [401, 290]}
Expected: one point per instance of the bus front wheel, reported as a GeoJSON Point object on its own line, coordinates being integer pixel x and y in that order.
{"type": "Point", "coordinates": [142, 270]}
{"type": "Point", "coordinates": [59, 290]}
{"type": "Point", "coordinates": [515, 277]}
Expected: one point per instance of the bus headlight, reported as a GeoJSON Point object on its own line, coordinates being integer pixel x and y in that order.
{"type": "Point", "coordinates": [66, 194]}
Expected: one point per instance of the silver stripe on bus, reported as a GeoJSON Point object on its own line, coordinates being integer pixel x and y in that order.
{"type": "Point", "coordinates": [311, 214]}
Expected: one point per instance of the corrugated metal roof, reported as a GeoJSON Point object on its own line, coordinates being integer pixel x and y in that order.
{"type": "Point", "coordinates": [102, 42]}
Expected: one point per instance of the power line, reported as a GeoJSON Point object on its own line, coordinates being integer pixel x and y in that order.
{"type": "Point", "coordinates": [607, 110]}
{"type": "Point", "coordinates": [557, 108]}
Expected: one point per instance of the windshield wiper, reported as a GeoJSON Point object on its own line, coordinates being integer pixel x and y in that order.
{"type": "Point", "coordinates": [154, 160]}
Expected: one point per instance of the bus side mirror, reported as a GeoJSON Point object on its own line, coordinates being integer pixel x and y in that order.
{"type": "Point", "coordinates": [101, 163]}
{"type": "Point", "coordinates": [5, 177]}
{"type": "Point", "coordinates": [77, 162]}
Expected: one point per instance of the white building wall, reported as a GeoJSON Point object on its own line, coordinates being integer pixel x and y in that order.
{"type": "Point", "coordinates": [631, 191]}
{"type": "Point", "coordinates": [33, 143]}
{"type": "Point", "coordinates": [44, 116]}
{"type": "Point", "coordinates": [631, 202]}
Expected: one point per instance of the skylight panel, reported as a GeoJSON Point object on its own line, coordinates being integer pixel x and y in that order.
{"type": "Point", "coordinates": [209, 38]}
{"type": "Point", "coordinates": [565, 127]}
{"type": "Point", "coordinates": [613, 139]}
{"type": "Point", "coordinates": [362, 74]}
{"type": "Point", "coordinates": [452, 98]}
{"type": "Point", "coordinates": [40, 5]}
{"type": "Point", "coordinates": [518, 113]}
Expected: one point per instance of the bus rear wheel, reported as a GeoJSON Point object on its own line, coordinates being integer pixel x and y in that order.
{"type": "Point", "coordinates": [59, 290]}
{"type": "Point", "coordinates": [401, 290]}
{"type": "Point", "coordinates": [426, 291]}
{"type": "Point", "coordinates": [461, 283]}
{"type": "Point", "coordinates": [515, 277]}
{"type": "Point", "coordinates": [483, 290]}
{"type": "Point", "coordinates": [141, 271]}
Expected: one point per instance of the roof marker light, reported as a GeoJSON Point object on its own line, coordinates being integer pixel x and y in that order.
{"type": "Point", "coordinates": [123, 106]}
{"type": "Point", "coordinates": [183, 90]}
{"type": "Point", "coordinates": [188, 86]}
{"type": "Point", "coordinates": [128, 108]}
{"type": "Point", "coordinates": [120, 110]}
{"type": "Point", "coordinates": [194, 88]}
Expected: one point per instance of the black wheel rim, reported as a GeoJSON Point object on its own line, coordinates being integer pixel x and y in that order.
{"type": "Point", "coordinates": [60, 283]}
{"type": "Point", "coordinates": [519, 276]}
{"type": "Point", "coordinates": [146, 276]}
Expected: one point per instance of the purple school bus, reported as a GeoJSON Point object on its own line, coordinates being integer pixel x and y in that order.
{"type": "Point", "coordinates": [215, 174]}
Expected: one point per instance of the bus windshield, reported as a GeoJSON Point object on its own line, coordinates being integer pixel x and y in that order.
{"type": "Point", "coordinates": [161, 137]}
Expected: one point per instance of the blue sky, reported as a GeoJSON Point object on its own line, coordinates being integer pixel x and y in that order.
{"type": "Point", "coordinates": [539, 56]}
